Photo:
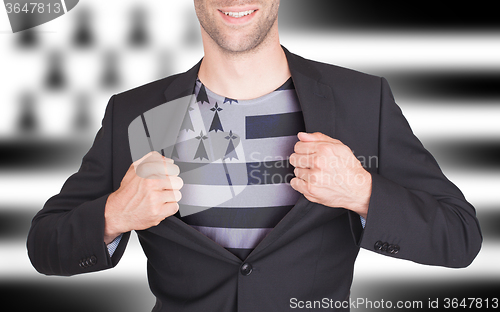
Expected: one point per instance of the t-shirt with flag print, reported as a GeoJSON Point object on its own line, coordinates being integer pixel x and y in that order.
{"type": "Point", "coordinates": [233, 158]}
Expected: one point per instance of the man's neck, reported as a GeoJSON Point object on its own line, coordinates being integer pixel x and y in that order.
{"type": "Point", "coordinates": [246, 75]}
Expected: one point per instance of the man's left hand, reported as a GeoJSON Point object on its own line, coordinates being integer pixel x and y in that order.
{"type": "Point", "coordinates": [328, 173]}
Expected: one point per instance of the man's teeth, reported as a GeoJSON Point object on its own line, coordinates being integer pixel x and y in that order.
{"type": "Point", "coordinates": [239, 14]}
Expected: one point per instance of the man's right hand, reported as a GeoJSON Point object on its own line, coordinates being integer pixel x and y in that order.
{"type": "Point", "coordinates": [148, 194]}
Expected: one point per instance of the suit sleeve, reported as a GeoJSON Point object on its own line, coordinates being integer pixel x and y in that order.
{"type": "Point", "coordinates": [67, 236]}
{"type": "Point", "coordinates": [415, 212]}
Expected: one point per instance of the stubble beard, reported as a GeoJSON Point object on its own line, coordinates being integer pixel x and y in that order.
{"type": "Point", "coordinates": [243, 45]}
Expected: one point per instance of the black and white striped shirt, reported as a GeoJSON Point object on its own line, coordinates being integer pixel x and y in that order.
{"type": "Point", "coordinates": [233, 158]}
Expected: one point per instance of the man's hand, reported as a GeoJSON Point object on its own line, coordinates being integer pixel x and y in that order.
{"type": "Point", "coordinates": [148, 193]}
{"type": "Point", "coordinates": [328, 173]}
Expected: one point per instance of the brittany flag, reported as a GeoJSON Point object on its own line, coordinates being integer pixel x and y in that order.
{"type": "Point", "coordinates": [213, 173]}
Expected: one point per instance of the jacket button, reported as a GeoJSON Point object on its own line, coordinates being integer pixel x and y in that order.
{"type": "Point", "coordinates": [246, 269]}
{"type": "Point", "coordinates": [378, 245]}
{"type": "Point", "coordinates": [83, 263]}
{"type": "Point", "coordinates": [393, 249]}
{"type": "Point", "coordinates": [93, 260]}
{"type": "Point", "coordinates": [384, 247]}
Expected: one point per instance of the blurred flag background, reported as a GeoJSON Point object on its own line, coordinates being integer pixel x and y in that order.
{"type": "Point", "coordinates": [442, 60]}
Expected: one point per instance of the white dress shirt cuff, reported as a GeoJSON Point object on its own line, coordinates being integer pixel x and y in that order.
{"type": "Point", "coordinates": [112, 246]}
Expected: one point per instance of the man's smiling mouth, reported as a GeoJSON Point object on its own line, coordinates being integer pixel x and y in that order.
{"type": "Point", "coordinates": [239, 14]}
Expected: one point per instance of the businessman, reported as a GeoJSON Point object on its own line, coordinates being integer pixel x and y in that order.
{"type": "Point", "coordinates": [167, 163]}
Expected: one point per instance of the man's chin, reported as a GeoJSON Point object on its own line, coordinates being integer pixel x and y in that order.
{"type": "Point", "coordinates": [239, 45]}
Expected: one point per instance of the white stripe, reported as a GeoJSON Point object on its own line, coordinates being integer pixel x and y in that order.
{"type": "Point", "coordinates": [442, 120]}
{"type": "Point", "coordinates": [234, 238]}
{"type": "Point", "coordinates": [64, 6]}
{"type": "Point", "coordinates": [397, 50]}
{"type": "Point", "coordinates": [247, 196]}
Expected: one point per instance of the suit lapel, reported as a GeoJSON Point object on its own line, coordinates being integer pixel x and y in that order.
{"type": "Point", "coordinates": [183, 85]}
{"type": "Point", "coordinates": [317, 104]}
{"type": "Point", "coordinates": [162, 124]}
{"type": "Point", "coordinates": [316, 98]}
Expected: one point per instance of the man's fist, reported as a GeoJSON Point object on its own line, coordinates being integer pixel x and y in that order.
{"type": "Point", "coordinates": [328, 173]}
{"type": "Point", "coordinates": [148, 194]}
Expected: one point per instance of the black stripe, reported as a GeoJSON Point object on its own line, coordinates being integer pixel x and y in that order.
{"type": "Point", "coordinates": [489, 219]}
{"type": "Point", "coordinates": [389, 15]}
{"type": "Point", "coordinates": [145, 125]}
{"type": "Point", "coordinates": [14, 222]}
{"type": "Point", "coordinates": [23, 154]}
{"type": "Point", "coordinates": [243, 218]}
{"type": "Point", "coordinates": [460, 85]}
{"type": "Point", "coordinates": [467, 153]}
{"type": "Point", "coordinates": [270, 126]}
{"type": "Point", "coordinates": [269, 172]}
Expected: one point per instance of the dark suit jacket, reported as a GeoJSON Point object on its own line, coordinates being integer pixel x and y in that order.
{"type": "Point", "coordinates": [414, 210]}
